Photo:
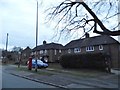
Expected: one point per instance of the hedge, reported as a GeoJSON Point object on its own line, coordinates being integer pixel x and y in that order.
{"type": "Point", "coordinates": [96, 60]}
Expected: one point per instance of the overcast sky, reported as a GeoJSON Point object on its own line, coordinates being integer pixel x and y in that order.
{"type": "Point", "coordinates": [18, 18]}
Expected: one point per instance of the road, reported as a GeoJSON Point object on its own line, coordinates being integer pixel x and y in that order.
{"type": "Point", "coordinates": [0, 75]}
{"type": "Point", "coordinates": [11, 81]}
{"type": "Point", "coordinates": [57, 79]}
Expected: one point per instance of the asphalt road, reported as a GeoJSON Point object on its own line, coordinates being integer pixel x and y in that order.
{"type": "Point", "coordinates": [0, 76]}
{"type": "Point", "coordinates": [11, 81]}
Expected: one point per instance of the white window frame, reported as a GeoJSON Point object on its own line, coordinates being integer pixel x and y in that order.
{"type": "Point", "coordinates": [55, 52]}
{"type": "Point", "coordinates": [100, 47]}
{"type": "Point", "coordinates": [69, 50]}
{"type": "Point", "coordinates": [41, 51]}
{"type": "Point", "coordinates": [25, 55]}
{"type": "Point", "coordinates": [77, 50]}
{"type": "Point", "coordinates": [32, 53]}
{"type": "Point", "coordinates": [90, 48]}
{"type": "Point", "coordinates": [45, 51]}
{"type": "Point", "coordinates": [60, 51]}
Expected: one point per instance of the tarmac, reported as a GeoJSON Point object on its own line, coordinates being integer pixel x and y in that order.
{"type": "Point", "coordinates": [67, 81]}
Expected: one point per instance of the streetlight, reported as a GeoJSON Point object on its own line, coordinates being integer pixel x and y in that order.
{"type": "Point", "coordinates": [36, 36]}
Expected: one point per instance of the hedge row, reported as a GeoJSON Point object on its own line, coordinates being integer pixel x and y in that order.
{"type": "Point", "coordinates": [96, 60]}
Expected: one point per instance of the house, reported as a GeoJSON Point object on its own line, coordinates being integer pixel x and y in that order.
{"type": "Point", "coordinates": [97, 44]}
{"type": "Point", "coordinates": [52, 50]}
{"type": "Point", "coordinates": [25, 54]}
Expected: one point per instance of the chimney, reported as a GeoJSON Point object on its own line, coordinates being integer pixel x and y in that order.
{"type": "Point", "coordinates": [87, 35]}
{"type": "Point", "coordinates": [44, 42]}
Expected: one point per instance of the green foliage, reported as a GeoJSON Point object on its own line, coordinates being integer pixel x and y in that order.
{"type": "Point", "coordinates": [96, 60]}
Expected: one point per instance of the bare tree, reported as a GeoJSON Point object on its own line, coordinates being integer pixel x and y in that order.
{"type": "Point", "coordinates": [83, 15]}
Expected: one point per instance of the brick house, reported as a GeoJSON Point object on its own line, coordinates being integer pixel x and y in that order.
{"type": "Point", "coordinates": [25, 54]}
{"type": "Point", "coordinates": [52, 50]}
{"type": "Point", "coordinates": [97, 44]}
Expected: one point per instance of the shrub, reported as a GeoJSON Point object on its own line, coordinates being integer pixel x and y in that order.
{"type": "Point", "coordinates": [96, 60]}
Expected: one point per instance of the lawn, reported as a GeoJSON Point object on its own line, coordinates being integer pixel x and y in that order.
{"type": "Point", "coordinates": [40, 72]}
{"type": "Point", "coordinates": [55, 68]}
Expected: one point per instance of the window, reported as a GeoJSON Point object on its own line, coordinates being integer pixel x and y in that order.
{"type": "Point", "coordinates": [24, 55]}
{"type": "Point", "coordinates": [77, 50]}
{"type": "Point", "coordinates": [100, 47]}
{"type": "Point", "coordinates": [45, 51]}
{"type": "Point", "coordinates": [32, 53]}
{"type": "Point", "coordinates": [90, 48]}
{"type": "Point", "coordinates": [60, 51]}
{"type": "Point", "coordinates": [41, 51]}
{"type": "Point", "coordinates": [69, 50]}
{"type": "Point", "coordinates": [55, 52]}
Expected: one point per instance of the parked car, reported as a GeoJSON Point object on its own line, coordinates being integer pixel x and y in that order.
{"type": "Point", "coordinates": [40, 64]}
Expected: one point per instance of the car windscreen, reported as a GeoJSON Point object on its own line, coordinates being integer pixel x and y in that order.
{"type": "Point", "coordinates": [38, 61]}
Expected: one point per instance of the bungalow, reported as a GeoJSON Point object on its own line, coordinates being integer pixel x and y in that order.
{"type": "Point", "coordinates": [52, 50]}
{"type": "Point", "coordinates": [97, 44]}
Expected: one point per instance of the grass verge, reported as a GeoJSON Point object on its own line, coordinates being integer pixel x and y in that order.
{"type": "Point", "coordinates": [56, 68]}
{"type": "Point", "coordinates": [77, 72]}
{"type": "Point", "coordinates": [40, 72]}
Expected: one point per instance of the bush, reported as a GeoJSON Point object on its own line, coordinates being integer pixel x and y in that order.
{"type": "Point", "coordinates": [83, 60]}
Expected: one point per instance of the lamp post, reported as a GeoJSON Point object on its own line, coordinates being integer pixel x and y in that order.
{"type": "Point", "coordinates": [36, 36]}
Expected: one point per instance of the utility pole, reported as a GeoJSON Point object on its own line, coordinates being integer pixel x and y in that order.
{"type": "Point", "coordinates": [6, 42]}
{"type": "Point", "coordinates": [6, 53]}
{"type": "Point", "coordinates": [36, 37]}
{"type": "Point", "coordinates": [118, 19]}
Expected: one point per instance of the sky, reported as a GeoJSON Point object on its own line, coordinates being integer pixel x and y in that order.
{"type": "Point", "coordinates": [18, 19]}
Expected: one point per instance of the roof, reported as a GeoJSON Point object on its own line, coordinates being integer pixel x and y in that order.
{"type": "Point", "coordinates": [27, 49]}
{"type": "Point", "coordinates": [48, 46]}
{"type": "Point", "coordinates": [97, 40]}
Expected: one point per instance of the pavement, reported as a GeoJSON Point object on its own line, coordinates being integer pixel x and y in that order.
{"type": "Point", "coordinates": [66, 81]}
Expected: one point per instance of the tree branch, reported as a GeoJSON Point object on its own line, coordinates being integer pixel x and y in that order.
{"type": "Point", "coordinates": [68, 6]}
